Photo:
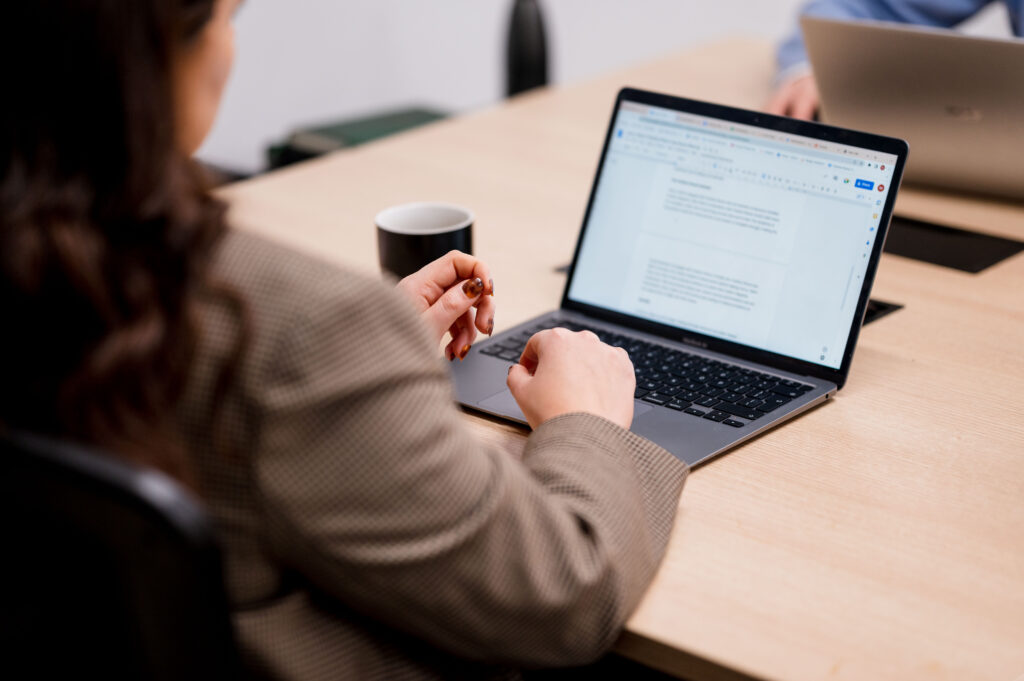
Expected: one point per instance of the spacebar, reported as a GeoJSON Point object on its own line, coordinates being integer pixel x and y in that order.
{"type": "Point", "coordinates": [737, 410]}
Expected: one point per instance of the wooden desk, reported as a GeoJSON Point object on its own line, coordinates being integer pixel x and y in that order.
{"type": "Point", "coordinates": [880, 536]}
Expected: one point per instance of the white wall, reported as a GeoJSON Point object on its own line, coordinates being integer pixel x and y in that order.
{"type": "Point", "coordinates": [308, 61]}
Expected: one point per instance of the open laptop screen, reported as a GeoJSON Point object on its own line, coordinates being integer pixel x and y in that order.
{"type": "Point", "coordinates": [743, 233]}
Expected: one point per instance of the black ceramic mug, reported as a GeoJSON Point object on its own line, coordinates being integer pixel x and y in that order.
{"type": "Point", "coordinates": [415, 234]}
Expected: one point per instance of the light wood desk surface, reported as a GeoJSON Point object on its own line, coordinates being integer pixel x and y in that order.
{"type": "Point", "coordinates": [880, 536]}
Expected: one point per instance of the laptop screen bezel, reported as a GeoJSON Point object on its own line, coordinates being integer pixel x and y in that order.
{"type": "Point", "coordinates": [889, 145]}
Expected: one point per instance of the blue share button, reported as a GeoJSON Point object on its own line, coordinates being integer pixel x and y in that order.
{"type": "Point", "coordinates": [865, 184]}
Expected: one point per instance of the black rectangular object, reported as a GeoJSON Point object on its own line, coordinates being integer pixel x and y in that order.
{"type": "Point", "coordinates": [948, 246]}
{"type": "Point", "coordinates": [878, 309]}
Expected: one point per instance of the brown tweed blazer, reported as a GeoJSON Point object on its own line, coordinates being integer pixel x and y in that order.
{"type": "Point", "coordinates": [367, 534]}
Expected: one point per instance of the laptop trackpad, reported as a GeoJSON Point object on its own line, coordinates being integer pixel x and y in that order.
{"type": "Point", "coordinates": [639, 409]}
{"type": "Point", "coordinates": [504, 404]}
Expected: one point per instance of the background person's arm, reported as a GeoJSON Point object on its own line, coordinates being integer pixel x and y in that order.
{"type": "Point", "coordinates": [796, 92]}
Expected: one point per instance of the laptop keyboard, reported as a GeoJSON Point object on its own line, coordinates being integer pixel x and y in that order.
{"type": "Point", "coordinates": [681, 381]}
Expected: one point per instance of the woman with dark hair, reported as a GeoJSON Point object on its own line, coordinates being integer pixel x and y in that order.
{"type": "Point", "coordinates": [367, 534]}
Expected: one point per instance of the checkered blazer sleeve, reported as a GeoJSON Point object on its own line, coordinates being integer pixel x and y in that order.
{"type": "Point", "coordinates": [375, 491]}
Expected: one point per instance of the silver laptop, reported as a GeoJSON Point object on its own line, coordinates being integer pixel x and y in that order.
{"type": "Point", "coordinates": [958, 100]}
{"type": "Point", "coordinates": [731, 253]}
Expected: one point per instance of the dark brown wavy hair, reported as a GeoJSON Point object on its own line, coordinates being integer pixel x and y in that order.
{"type": "Point", "coordinates": [106, 228]}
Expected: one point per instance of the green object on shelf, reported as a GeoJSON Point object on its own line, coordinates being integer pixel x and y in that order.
{"type": "Point", "coordinates": [312, 142]}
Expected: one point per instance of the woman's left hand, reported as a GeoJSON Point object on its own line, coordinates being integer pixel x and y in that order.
{"type": "Point", "coordinates": [453, 294]}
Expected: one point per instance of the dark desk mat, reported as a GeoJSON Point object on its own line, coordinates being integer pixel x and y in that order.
{"type": "Point", "coordinates": [878, 309]}
{"type": "Point", "coordinates": [947, 246]}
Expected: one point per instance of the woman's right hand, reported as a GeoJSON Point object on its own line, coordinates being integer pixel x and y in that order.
{"type": "Point", "coordinates": [562, 372]}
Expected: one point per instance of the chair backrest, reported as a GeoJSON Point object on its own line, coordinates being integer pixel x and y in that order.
{"type": "Point", "coordinates": [109, 571]}
{"type": "Point", "coordinates": [526, 64]}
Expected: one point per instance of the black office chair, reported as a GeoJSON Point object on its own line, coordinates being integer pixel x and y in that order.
{"type": "Point", "coordinates": [526, 63]}
{"type": "Point", "coordinates": [110, 571]}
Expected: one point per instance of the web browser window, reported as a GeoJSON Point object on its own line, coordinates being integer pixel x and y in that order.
{"type": "Point", "coordinates": [741, 233]}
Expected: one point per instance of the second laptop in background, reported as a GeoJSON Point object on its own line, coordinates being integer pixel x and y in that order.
{"type": "Point", "coordinates": [958, 100]}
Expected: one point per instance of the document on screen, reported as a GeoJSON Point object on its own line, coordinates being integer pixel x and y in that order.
{"type": "Point", "coordinates": [749, 240]}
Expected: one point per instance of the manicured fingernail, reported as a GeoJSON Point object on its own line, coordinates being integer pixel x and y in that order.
{"type": "Point", "coordinates": [473, 288]}
{"type": "Point", "coordinates": [463, 353]}
{"type": "Point", "coordinates": [492, 287]}
{"type": "Point", "coordinates": [510, 366]}
{"type": "Point", "coordinates": [490, 327]}
{"type": "Point", "coordinates": [450, 354]}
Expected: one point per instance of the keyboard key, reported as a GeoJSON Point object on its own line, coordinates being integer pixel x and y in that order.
{"type": "Point", "coordinates": [737, 410]}
{"type": "Point", "coordinates": [716, 416]}
{"type": "Point", "coordinates": [786, 391]}
{"type": "Point", "coordinates": [729, 397]}
{"type": "Point", "coordinates": [733, 423]}
{"type": "Point", "coordinates": [750, 402]}
{"type": "Point", "coordinates": [639, 392]}
{"type": "Point", "coordinates": [509, 355]}
{"type": "Point", "coordinates": [655, 398]}
{"type": "Point", "coordinates": [677, 405]}
{"type": "Point", "coordinates": [492, 350]}
{"type": "Point", "coordinates": [709, 402]}
{"type": "Point", "coordinates": [695, 412]}
{"type": "Point", "coordinates": [772, 403]}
